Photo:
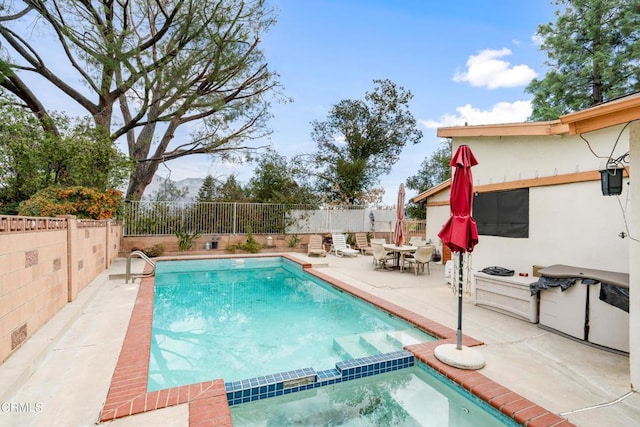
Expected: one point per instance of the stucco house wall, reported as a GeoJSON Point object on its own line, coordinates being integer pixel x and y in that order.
{"type": "Point", "coordinates": [437, 215]}
{"type": "Point", "coordinates": [569, 222]}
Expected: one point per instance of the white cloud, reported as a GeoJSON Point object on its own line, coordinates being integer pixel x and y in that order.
{"type": "Point", "coordinates": [487, 69]}
{"type": "Point", "coordinates": [502, 112]}
{"type": "Point", "coordinates": [537, 40]}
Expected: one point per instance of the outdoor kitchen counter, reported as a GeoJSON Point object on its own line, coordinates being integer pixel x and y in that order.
{"type": "Point", "coordinates": [590, 305]}
{"type": "Point", "coordinates": [603, 276]}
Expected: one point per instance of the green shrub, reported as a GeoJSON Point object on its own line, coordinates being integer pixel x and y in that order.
{"type": "Point", "coordinates": [154, 251]}
{"type": "Point", "coordinates": [186, 239]}
{"type": "Point", "coordinates": [252, 245]}
{"type": "Point", "coordinates": [293, 240]}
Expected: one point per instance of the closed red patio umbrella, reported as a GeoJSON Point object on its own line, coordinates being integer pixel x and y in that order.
{"type": "Point", "coordinates": [398, 233]}
{"type": "Point", "coordinates": [460, 232]}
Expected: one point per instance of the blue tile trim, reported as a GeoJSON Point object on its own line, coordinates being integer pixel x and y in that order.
{"type": "Point", "coordinates": [304, 379]}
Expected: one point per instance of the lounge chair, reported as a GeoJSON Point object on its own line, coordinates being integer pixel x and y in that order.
{"type": "Point", "coordinates": [362, 244]}
{"type": "Point", "coordinates": [421, 258]}
{"type": "Point", "coordinates": [340, 246]}
{"type": "Point", "coordinates": [315, 246]}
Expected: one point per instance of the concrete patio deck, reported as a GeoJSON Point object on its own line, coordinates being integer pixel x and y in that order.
{"type": "Point", "coordinates": [61, 376]}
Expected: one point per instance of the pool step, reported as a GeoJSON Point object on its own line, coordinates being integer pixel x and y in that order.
{"type": "Point", "coordinates": [368, 344]}
{"type": "Point", "coordinates": [406, 337]}
{"type": "Point", "coordinates": [351, 347]}
{"type": "Point", "coordinates": [379, 342]}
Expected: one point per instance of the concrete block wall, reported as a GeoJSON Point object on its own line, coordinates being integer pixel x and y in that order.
{"type": "Point", "coordinates": [39, 274]}
{"type": "Point", "coordinates": [33, 284]}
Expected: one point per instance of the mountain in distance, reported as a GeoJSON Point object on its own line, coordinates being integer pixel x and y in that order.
{"type": "Point", "coordinates": [192, 185]}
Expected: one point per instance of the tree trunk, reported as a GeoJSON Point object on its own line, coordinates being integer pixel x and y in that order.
{"type": "Point", "coordinates": [141, 178]}
{"type": "Point", "coordinates": [596, 92]}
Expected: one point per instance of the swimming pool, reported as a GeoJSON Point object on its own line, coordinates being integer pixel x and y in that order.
{"type": "Point", "coordinates": [208, 401]}
{"type": "Point", "coordinates": [243, 318]}
{"type": "Point", "coordinates": [409, 397]}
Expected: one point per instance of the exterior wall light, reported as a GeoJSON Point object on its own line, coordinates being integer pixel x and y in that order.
{"type": "Point", "coordinates": [611, 180]}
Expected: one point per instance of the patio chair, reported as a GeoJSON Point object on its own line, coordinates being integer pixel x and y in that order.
{"type": "Point", "coordinates": [421, 258]}
{"type": "Point", "coordinates": [380, 256]}
{"type": "Point", "coordinates": [340, 246]}
{"type": "Point", "coordinates": [381, 241]}
{"type": "Point", "coordinates": [417, 241]}
{"type": "Point", "coordinates": [315, 246]}
{"type": "Point", "coordinates": [362, 244]}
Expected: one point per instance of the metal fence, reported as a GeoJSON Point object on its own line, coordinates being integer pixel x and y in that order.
{"type": "Point", "coordinates": [146, 218]}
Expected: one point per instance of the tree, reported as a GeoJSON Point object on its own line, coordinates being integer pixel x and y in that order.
{"type": "Point", "coordinates": [592, 49]}
{"type": "Point", "coordinates": [32, 159]}
{"type": "Point", "coordinates": [207, 192]}
{"type": "Point", "coordinates": [433, 171]}
{"type": "Point", "coordinates": [362, 139]}
{"type": "Point", "coordinates": [232, 191]}
{"type": "Point", "coordinates": [164, 64]}
{"type": "Point", "coordinates": [276, 180]}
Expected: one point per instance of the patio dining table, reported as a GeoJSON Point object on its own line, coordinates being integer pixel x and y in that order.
{"type": "Point", "coordinates": [400, 252]}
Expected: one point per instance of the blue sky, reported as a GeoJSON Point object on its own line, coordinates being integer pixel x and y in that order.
{"type": "Point", "coordinates": [464, 61]}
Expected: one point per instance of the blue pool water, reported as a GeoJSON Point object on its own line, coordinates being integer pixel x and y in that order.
{"type": "Point", "coordinates": [409, 397]}
{"type": "Point", "coordinates": [242, 318]}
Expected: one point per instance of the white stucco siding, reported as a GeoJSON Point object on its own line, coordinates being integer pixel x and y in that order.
{"type": "Point", "coordinates": [570, 224]}
{"type": "Point", "coordinates": [436, 218]}
{"type": "Point", "coordinates": [512, 158]}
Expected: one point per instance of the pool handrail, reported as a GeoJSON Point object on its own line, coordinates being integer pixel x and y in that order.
{"type": "Point", "coordinates": [142, 255]}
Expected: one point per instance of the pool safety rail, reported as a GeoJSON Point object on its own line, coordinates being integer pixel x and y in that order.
{"type": "Point", "coordinates": [142, 255]}
{"type": "Point", "coordinates": [258, 388]}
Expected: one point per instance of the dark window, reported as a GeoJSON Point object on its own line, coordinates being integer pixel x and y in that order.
{"type": "Point", "coordinates": [502, 213]}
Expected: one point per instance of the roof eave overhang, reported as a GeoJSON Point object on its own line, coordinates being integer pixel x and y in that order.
{"type": "Point", "coordinates": [430, 192]}
{"type": "Point", "coordinates": [554, 127]}
{"type": "Point", "coordinates": [609, 114]}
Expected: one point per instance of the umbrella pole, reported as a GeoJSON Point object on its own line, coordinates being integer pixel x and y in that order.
{"type": "Point", "coordinates": [459, 331]}
{"type": "Point", "coordinates": [455, 354]}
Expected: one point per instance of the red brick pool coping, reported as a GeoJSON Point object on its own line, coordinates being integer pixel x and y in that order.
{"type": "Point", "coordinates": [208, 400]}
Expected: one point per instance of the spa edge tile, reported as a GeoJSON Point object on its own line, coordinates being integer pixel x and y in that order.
{"type": "Point", "coordinates": [151, 400]}
{"type": "Point", "coordinates": [123, 411]}
{"type": "Point", "coordinates": [138, 405]}
{"type": "Point", "coordinates": [468, 377]}
{"type": "Point", "coordinates": [107, 415]}
{"type": "Point", "coordinates": [563, 423]}
{"type": "Point", "coordinates": [490, 390]}
{"type": "Point", "coordinates": [526, 414]}
{"type": "Point", "coordinates": [548, 420]}
{"type": "Point", "coordinates": [511, 408]}
{"type": "Point", "coordinates": [499, 402]}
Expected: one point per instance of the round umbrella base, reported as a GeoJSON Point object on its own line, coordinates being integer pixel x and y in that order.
{"type": "Point", "coordinates": [465, 358]}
